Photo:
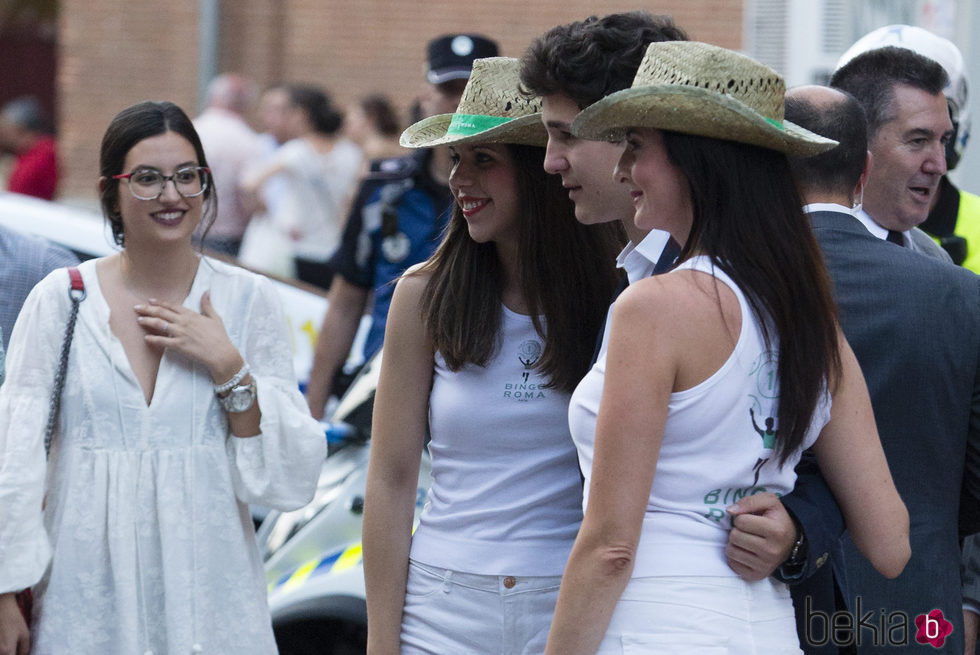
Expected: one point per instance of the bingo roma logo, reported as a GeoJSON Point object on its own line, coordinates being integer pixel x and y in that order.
{"type": "Point", "coordinates": [881, 628]}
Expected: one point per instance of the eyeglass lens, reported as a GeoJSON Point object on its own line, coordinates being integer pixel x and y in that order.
{"type": "Point", "coordinates": [149, 184]}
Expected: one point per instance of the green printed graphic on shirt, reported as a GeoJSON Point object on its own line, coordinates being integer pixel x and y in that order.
{"type": "Point", "coordinates": [765, 398]}
{"type": "Point", "coordinates": [716, 500]}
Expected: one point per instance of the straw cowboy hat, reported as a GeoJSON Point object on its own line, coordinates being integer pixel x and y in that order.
{"type": "Point", "coordinates": [701, 89]}
{"type": "Point", "coordinates": [491, 110]}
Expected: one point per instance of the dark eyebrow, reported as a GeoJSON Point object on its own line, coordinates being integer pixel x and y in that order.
{"type": "Point", "coordinates": [558, 125]}
{"type": "Point", "coordinates": [921, 132]}
{"type": "Point", "coordinates": [147, 167]}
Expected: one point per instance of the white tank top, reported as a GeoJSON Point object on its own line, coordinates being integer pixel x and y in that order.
{"type": "Point", "coordinates": [717, 447]}
{"type": "Point", "coordinates": [506, 491]}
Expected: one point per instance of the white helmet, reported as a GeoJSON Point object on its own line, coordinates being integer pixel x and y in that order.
{"type": "Point", "coordinates": [938, 49]}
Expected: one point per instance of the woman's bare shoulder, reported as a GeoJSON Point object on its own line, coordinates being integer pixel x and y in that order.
{"type": "Point", "coordinates": [413, 281]}
{"type": "Point", "coordinates": [680, 291]}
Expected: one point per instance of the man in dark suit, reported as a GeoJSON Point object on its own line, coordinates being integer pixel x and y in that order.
{"type": "Point", "coordinates": [914, 324]}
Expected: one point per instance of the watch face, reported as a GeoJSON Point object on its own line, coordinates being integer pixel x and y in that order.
{"type": "Point", "coordinates": [240, 398]}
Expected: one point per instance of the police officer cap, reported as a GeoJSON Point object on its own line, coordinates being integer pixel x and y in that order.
{"type": "Point", "coordinates": [451, 56]}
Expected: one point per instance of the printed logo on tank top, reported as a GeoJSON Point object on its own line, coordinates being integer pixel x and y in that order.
{"type": "Point", "coordinates": [763, 407]}
{"type": "Point", "coordinates": [523, 389]}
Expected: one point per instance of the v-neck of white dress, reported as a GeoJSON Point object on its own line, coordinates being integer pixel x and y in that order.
{"type": "Point", "coordinates": [116, 346]}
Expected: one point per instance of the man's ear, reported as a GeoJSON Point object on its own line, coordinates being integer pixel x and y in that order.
{"type": "Point", "coordinates": [863, 180]}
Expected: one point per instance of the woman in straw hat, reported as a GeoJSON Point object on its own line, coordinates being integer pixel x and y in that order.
{"type": "Point", "coordinates": [718, 374]}
{"type": "Point", "coordinates": [484, 343]}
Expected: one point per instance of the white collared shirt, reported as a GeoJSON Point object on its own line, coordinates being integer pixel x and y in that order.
{"type": "Point", "coordinates": [828, 207]}
{"type": "Point", "coordinates": [863, 216]}
{"type": "Point", "coordinates": [875, 229]}
{"type": "Point", "coordinates": [639, 259]}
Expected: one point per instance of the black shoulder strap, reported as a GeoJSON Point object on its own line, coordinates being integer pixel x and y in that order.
{"type": "Point", "coordinates": [76, 291]}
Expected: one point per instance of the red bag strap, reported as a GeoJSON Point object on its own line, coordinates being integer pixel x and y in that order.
{"type": "Point", "coordinates": [77, 283]}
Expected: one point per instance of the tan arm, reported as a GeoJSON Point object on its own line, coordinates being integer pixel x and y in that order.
{"type": "Point", "coordinates": [344, 311]}
{"type": "Point", "coordinates": [397, 434]}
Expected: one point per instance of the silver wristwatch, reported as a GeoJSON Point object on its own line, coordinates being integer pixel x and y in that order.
{"type": "Point", "coordinates": [239, 399]}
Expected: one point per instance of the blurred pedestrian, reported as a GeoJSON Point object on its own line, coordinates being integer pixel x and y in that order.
{"type": "Point", "coordinates": [270, 114]}
{"type": "Point", "coordinates": [264, 247]}
{"type": "Point", "coordinates": [179, 408]}
{"type": "Point", "coordinates": [231, 146]}
{"type": "Point", "coordinates": [27, 133]}
{"type": "Point", "coordinates": [24, 261]}
{"type": "Point", "coordinates": [485, 342]}
{"type": "Point", "coordinates": [320, 169]}
{"type": "Point", "coordinates": [373, 125]}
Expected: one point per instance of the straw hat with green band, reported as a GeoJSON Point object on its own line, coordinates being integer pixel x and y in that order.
{"type": "Point", "coordinates": [701, 89]}
{"type": "Point", "coordinates": [491, 110]}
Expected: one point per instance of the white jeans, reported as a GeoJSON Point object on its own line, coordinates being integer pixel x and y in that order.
{"type": "Point", "coordinates": [702, 616]}
{"type": "Point", "coordinates": [449, 612]}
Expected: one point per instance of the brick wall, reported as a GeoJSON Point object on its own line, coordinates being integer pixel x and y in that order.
{"type": "Point", "coordinates": [114, 53]}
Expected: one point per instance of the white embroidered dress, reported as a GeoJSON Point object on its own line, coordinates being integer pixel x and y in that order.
{"type": "Point", "coordinates": [146, 543]}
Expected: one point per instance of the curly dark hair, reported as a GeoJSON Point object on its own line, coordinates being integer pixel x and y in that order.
{"type": "Point", "coordinates": [587, 60]}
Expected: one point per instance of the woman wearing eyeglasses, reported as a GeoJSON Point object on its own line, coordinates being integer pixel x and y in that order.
{"type": "Point", "coordinates": [179, 408]}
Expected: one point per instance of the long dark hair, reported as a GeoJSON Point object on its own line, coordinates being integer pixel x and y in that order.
{"type": "Point", "coordinates": [748, 218]}
{"type": "Point", "coordinates": [566, 275]}
{"type": "Point", "coordinates": [130, 126]}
